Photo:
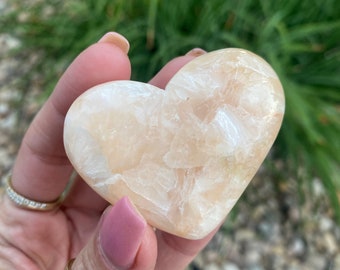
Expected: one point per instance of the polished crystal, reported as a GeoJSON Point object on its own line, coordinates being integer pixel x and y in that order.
{"type": "Point", "coordinates": [184, 155]}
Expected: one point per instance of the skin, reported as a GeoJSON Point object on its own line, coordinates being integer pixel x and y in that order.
{"type": "Point", "coordinates": [33, 240]}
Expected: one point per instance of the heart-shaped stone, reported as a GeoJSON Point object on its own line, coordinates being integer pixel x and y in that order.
{"type": "Point", "coordinates": [184, 155]}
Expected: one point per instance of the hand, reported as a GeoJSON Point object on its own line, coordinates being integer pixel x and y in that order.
{"type": "Point", "coordinates": [84, 226]}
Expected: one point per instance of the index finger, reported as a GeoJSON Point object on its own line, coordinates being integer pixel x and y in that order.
{"type": "Point", "coordinates": [42, 168]}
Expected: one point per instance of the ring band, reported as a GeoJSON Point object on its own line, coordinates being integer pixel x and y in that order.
{"type": "Point", "coordinates": [69, 264]}
{"type": "Point", "coordinates": [26, 203]}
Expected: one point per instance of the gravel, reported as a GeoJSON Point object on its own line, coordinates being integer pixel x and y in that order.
{"type": "Point", "coordinates": [271, 227]}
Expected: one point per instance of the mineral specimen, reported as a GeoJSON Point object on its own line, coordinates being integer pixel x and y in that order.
{"type": "Point", "coordinates": [184, 155]}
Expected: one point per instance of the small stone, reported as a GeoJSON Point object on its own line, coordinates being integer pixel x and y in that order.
{"type": "Point", "coordinates": [297, 247]}
{"type": "Point", "coordinates": [295, 266]}
{"type": "Point", "coordinates": [265, 229]}
{"type": "Point", "coordinates": [244, 235]}
{"type": "Point", "coordinates": [230, 266]}
{"type": "Point", "coordinates": [325, 224]}
{"type": "Point", "coordinates": [183, 156]}
{"type": "Point", "coordinates": [318, 187]}
{"type": "Point", "coordinates": [255, 267]}
{"type": "Point", "coordinates": [2, 6]}
{"type": "Point", "coordinates": [8, 42]}
{"type": "Point", "coordinates": [276, 261]}
{"type": "Point", "coordinates": [8, 122]}
{"type": "Point", "coordinates": [4, 108]}
{"type": "Point", "coordinates": [253, 257]}
{"type": "Point", "coordinates": [212, 266]}
{"type": "Point", "coordinates": [337, 261]}
{"type": "Point", "coordinates": [330, 243]}
{"type": "Point", "coordinates": [316, 261]}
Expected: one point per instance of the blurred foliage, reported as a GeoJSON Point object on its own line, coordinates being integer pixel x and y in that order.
{"type": "Point", "coordinates": [299, 38]}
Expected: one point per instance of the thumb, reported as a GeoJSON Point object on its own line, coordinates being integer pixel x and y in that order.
{"type": "Point", "coordinates": [123, 241]}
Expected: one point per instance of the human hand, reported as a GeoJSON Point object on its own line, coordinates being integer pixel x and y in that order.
{"type": "Point", "coordinates": [84, 226]}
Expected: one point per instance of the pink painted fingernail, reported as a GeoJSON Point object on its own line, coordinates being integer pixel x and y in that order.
{"type": "Point", "coordinates": [121, 234]}
{"type": "Point", "coordinates": [116, 39]}
{"type": "Point", "coordinates": [196, 52]}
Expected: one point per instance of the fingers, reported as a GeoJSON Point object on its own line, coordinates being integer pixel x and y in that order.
{"type": "Point", "coordinates": [123, 241]}
{"type": "Point", "coordinates": [42, 168]}
{"type": "Point", "coordinates": [170, 69]}
{"type": "Point", "coordinates": [175, 252]}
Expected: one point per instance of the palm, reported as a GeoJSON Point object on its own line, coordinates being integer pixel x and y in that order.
{"type": "Point", "coordinates": [49, 239]}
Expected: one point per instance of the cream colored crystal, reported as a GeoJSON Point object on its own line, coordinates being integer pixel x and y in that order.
{"type": "Point", "coordinates": [184, 155]}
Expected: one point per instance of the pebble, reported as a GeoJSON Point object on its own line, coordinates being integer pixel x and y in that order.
{"type": "Point", "coordinates": [255, 267]}
{"type": "Point", "coordinates": [318, 188]}
{"type": "Point", "coordinates": [330, 243]}
{"type": "Point", "coordinates": [212, 266]}
{"type": "Point", "coordinates": [8, 122]}
{"type": "Point", "coordinates": [244, 235]}
{"type": "Point", "coordinates": [265, 229]}
{"type": "Point", "coordinates": [253, 257]}
{"type": "Point", "coordinates": [2, 5]}
{"type": "Point", "coordinates": [325, 224]}
{"type": "Point", "coordinates": [336, 262]}
{"type": "Point", "coordinates": [316, 262]}
{"type": "Point", "coordinates": [8, 42]}
{"type": "Point", "coordinates": [230, 266]}
{"type": "Point", "coordinates": [297, 247]}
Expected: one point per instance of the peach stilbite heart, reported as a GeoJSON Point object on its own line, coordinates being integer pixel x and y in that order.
{"type": "Point", "coordinates": [184, 155]}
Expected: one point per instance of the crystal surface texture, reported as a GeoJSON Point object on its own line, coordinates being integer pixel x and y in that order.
{"type": "Point", "coordinates": [185, 154]}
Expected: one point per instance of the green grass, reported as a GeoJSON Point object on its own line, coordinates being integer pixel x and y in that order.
{"type": "Point", "coordinates": [299, 38]}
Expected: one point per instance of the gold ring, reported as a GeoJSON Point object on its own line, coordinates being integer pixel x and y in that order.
{"type": "Point", "coordinates": [69, 264]}
{"type": "Point", "coordinates": [26, 203]}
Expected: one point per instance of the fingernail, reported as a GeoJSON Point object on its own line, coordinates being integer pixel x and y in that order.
{"type": "Point", "coordinates": [116, 39]}
{"type": "Point", "coordinates": [196, 52]}
{"type": "Point", "coordinates": [121, 234]}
